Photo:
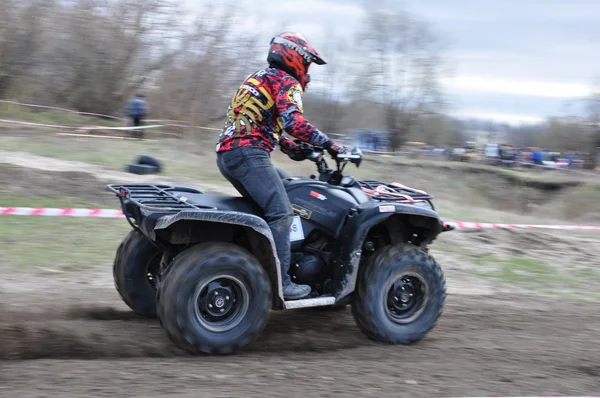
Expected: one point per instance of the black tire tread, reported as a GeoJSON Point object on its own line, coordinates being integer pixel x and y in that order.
{"type": "Point", "coordinates": [193, 259]}
{"type": "Point", "coordinates": [363, 303]}
{"type": "Point", "coordinates": [141, 169]}
{"type": "Point", "coordinates": [133, 297]}
{"type": "Point", "coordinates": [149, 160]}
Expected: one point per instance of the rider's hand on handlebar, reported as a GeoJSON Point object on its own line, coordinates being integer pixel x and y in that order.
{"type": "Point", "coordinates": [293, 150]}
{"type": "Point", "coordinates": [334, 150]}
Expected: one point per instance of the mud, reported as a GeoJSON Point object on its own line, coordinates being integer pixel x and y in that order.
{"type": "Point", "coordinates": [66, 343]}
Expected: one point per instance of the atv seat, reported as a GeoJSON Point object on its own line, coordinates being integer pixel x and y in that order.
{"type": "Point", "coordinates": [228, 203]}
{"type": "Point", "coordinates": [223, 203]}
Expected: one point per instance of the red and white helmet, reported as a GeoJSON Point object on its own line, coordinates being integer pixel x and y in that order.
{"type": "Point", "coordinates": [293, 53]}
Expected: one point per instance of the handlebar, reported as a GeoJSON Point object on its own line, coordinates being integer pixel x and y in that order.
{"type": "Point", "coordinates": [316, 154]}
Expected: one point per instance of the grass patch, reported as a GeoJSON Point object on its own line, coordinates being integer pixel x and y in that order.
{"type": "Point", "coordinates": [13, 200]}
{"type": "Point", "coordinates": [57, 243]}
{"type": "Point", "coordinates": [535, 276]}
{"type": "Point", "coordinates": [66, 244]}
{"type": "Point", "coordinates": [523, 271]}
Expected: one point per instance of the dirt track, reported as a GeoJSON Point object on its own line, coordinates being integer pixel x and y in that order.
{"type": "Point", "coordinates": [68, 334]}
{"type": "Point", "coordinates": [54, 342]}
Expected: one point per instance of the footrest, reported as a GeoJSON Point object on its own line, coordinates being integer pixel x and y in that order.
{"type": "Point", "coordinates": [306, 303]}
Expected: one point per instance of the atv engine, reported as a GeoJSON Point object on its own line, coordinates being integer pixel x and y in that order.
{"type": "Point", "coordinates": [308, 269]}
{"type": "Point", "coordinates": [309, 266]}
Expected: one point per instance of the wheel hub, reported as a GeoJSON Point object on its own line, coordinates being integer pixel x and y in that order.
{"type": "Point", "coordinates": [406, 298]}
{"type": "Point", "coordinates": [221, 303]}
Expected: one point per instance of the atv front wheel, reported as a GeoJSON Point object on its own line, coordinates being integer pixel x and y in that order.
{"type": "Point", "coordinates": [215, 299]}
{"type": "Point", "coordinates": [135, 270]}
{"type": "Point", "coordinates": [399, 296]}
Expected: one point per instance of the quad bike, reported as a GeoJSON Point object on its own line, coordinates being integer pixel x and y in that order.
{"type": "Point", "coordinates": [206, 265]}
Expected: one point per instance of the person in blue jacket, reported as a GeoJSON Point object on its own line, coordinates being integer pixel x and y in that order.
{"type": "Point", "coordinates": [137, 110]}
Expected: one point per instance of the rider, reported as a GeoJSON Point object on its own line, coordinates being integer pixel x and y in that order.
{"type": "Point", "coordinates": [268, 103]}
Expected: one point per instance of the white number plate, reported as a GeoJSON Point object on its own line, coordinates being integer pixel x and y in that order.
{"type": "Point", "coordinates": [296, 231]}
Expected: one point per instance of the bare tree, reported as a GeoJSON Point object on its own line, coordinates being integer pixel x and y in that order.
{"type": "Point", "coordinates": [21, 31]}
{"type": "Point", "coordinates": [103, 51]}
{"type": "Point", "coordinates": [335, 91]}
{"type": "Point", "coordinates": [435, 130]}
{"type": "Point", "coordinates": [215, 57]}
{"type": "Point", "coordinates": [92, 55]}
{"type": "Point", "coordinates": [402, 68]}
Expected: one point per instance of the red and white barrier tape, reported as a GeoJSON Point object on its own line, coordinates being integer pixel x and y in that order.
{"type": "Point", "coordinates": [113, 213]}
{"type": "Point", "coordinates": [481, 225]}
{"type": "Point", "coordinates": [63, 212]}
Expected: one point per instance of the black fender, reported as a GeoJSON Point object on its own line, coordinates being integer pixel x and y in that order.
{"type": "Point", "coordinates": [356, 230]}
{"type": "Point", "coordinates": [193, 226]}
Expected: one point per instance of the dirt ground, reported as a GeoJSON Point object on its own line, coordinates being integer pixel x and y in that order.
{"type": "Point", "coordinates": [22, 172]}
{"type": "Point", "coordinates": [68, 334]}
{"type": "Point", "coordinates": [71, 336]}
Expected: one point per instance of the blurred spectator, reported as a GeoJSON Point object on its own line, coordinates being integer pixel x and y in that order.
{"type": "Point", "coordinates": [375, 142]}
{"type": "Point", "coordinates": [137, 109]}
{"type": "Point", "coordinates": [538, 157]}
{"type": "Point", "coordinates": [571, 158]}
{"type": "Point", "coordinates": [526, 155]}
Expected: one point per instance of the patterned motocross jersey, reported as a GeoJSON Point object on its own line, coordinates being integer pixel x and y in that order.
{"type": "Point", "coordinates": [266, 104]}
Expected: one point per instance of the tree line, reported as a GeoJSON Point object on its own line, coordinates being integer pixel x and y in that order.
{"type": "Point", "coordinates": [92, 55]}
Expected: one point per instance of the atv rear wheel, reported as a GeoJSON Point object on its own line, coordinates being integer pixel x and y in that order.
{"type": "Point", "coordinates": [400, 295]}
{"type": "Point", "coordinates": [135, 271]}
{"type": "Point", "coordinates": [215, 299]}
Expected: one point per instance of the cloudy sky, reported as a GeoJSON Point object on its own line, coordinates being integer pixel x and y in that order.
{"type": "Point", "coordinates": [511, 60]}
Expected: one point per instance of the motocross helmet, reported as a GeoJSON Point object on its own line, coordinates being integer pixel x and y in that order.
{"type": "Point", "coordinates": [293, 53]}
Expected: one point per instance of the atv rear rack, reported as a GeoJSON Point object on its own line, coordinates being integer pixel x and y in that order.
{"type": "Point", "coordinates": [394, 192]}
{"type": "Point", "coordinates": [153, 197]}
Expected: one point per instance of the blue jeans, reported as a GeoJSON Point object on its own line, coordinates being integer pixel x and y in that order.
{"type": "Point", "coordinates": [251, 172]}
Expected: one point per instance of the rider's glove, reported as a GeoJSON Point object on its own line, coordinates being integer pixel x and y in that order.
{"type": "Point", "coordinates": [290, 148]}
{"type": "Point", "coordinates": [334, 150]}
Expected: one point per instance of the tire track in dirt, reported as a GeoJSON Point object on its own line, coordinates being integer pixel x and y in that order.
{"type": "Point", "coordinates": [105, 332]}
{"type": "Point", "coordinates": [90, 332]}
{"type": "Point", "coordinates": [505, 345]}
{"type": "Point", "coordinates": [56, 332]}
{"type": "Point", "coordinates": [55, 328]}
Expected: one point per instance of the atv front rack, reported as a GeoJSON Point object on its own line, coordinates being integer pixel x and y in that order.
{"type": "Point", "coordinates": [394, 192]}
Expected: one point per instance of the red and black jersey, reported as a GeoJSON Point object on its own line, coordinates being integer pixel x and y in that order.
{"type": "Point", "coordinates": [266, 104]}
